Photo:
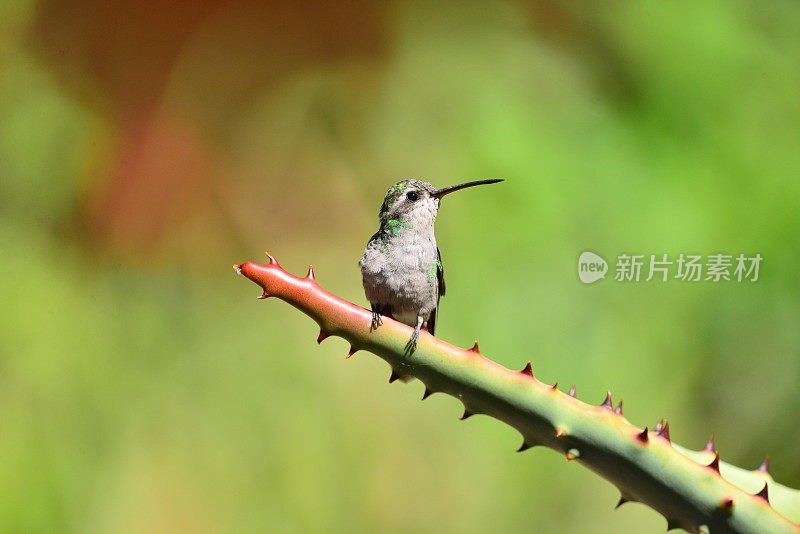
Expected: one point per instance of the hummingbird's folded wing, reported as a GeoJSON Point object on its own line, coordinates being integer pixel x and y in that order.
{"type": "Point", "coordinates": [440, 285]}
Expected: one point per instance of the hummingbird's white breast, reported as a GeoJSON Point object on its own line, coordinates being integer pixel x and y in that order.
{"type": "Point", "coordinates": [399, 265]}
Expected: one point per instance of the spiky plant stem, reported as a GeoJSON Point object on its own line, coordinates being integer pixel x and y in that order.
{"type": "Point", "coordinates": [693, 490]}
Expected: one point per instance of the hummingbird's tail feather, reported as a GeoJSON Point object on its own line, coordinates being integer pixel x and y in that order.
{"type": "Point", "coordinates": [431, 324]}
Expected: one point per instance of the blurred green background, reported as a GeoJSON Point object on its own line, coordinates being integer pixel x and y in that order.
{"type": "Point", "coordinates": [147, 146]}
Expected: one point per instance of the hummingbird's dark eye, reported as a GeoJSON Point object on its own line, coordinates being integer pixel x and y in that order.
{"type": "Point", "coordinates": [413, 196]}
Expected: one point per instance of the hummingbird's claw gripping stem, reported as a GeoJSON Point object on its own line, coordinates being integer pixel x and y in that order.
{"type": "Point", "coordinates": [376, 319]}
{"type": "Point", "coordinates": [411, 346]}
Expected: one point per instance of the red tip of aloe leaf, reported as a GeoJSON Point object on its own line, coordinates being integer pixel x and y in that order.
{"type": "Point", "coordinates": [727, 503]}
{"type": "Point", "coordinates": [607, 402]}
{"type": "Point", "coordinates": [272, 261]}
{"type": "Point", "coordinates": [764, 493]}
{"type": "Point", "coordinates": [560, 433]}
{"type": "Point", "coordinates": [764, 467]}
{"type": "Point", "coordinates": [323, 335]}
{"type": "Point", "coordinates": [238, 268]}
{"type": "Point", "coordinates": [643, 436]}
{"type": "Point", "coordinates": [394, 376]}
{"type": "Point", "coordinates": [715, 462]}
{"type": "Point", "coordinates": [310, 273]}
{"type": "Point", "coordinates": [350, 352]}
{"type": "Point", "coordinates": [527, 370]}
{"type": "Point", "coordinates": [618, 409]}
{"type": "Point", "coordinates": [467, 414]}
{"type": "Point", "coordinates": [711, 446]}
{"type": "Point", "coordinates": [475, 348]}
{"type": "Point", "coordinates": [664, 430]}
{"type": "Point", "coordinates": [427, 394]}
{"type": "Point", "coordinates": [572, 391]}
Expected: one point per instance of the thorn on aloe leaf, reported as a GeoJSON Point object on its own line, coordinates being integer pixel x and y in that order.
{"type": "Point", "coordinates": [272, 261]}
{"type": "Point", "coordinates": [560, 433]}
{"type": "Point", "coordinates": [624, 499]}
{"type": "Point", "coordinates": [618, 409]}
{"type": "Point", "coordinates": [764, 493]}
{"type": "Point", "coordinates": [607, 402]}
{"type": "Point", "coordinates": [323, 335]}
{"type": "Point", "coordinates": [475, 348]}
{"type": "Point", "coordinates": [663, 430]}
{"type": "Point", "coordinates": [711, 446]}
{"type": "Point", "coordinates": [263, 295]}
{"type": "Point", "coordinates": [715, 463]}
{"type": "Point", "coordinates": [727, 503]}
{"type": "Point", "coordinates": [310, 273]}
{"type": "Point", "coordinates": [572, 454]}
{"type": "Point", "coordinates": [764, 467]}
{"type": "Point", "coordinates": [572, 391]}
{"type": "Point", "coordinates": [394, 376]}
{"type": "Point", "coordinates": [554, 387]}
{"type": "Point", "coordinates": [643, 436]}
{"type": "Point", "coordinates": [527, 370]}
{"type": "Point", "coordinates": [350, 352]}
{"type": "Point", "coordinates": [525, 446]}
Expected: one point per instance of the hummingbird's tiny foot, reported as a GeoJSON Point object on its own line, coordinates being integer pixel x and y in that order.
{"type": "Point", "coordinates": [376, 319]}
{"type": "Point", "coordinates": [411, 346]}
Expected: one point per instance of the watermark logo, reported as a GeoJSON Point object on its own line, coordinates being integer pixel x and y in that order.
{"type": "Point", "coordinates": [663, 267]}
{"type": "Point", "coordinates": [591, 267]}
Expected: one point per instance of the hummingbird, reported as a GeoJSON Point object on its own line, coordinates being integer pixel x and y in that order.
{"type": "Point", "coordinates": [402, 267]}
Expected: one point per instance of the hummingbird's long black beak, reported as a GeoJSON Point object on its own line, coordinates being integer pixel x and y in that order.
{"type": "Point", "coordinates": [439, 193]}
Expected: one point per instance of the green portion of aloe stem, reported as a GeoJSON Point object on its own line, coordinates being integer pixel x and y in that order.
{"type": "Point", "coordinates": [693, 490]}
